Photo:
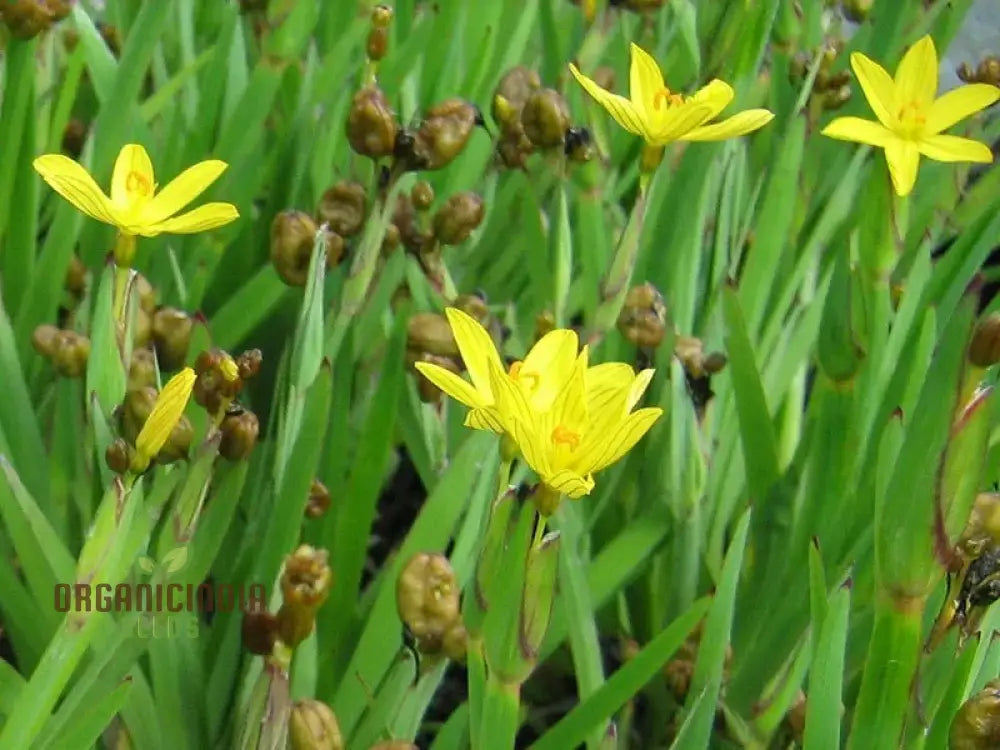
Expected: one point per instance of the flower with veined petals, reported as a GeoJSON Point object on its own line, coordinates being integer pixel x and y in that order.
{"type": "Point", "coordinates": [134, 206]}
{"type": "Point", "coordinates": [911, 117]}
{"type": "Point", "coordinates": [661, 116]}
{"type": "Point", "coordinates": [579, 434]}
{"type": "Point", "coordinates": [167, 412]}
{"type": "Point", "coordinates": [539, 376]}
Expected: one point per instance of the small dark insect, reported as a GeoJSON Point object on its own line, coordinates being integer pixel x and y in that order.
{"type": "Point", "coordinates": [234, 410]}
{"type": "Point", "coordinates": [576, 138]}
{"type": "Point", "coordinates": [981, 586]}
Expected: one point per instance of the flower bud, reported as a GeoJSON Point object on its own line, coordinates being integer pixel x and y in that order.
{"type": "Point", "coordinates": [292, 236]}
{"type": "Point", "coordinates": [371, 124]}
{"type": "Point", "coordinates": [142, 328]}
{"type": "Point", "coordinates": [178, 444]}
{"type": "Point", "coordinates": [442, 135]}
{"type": "Point", "coordinates": [305, 584]}
{"type": "Point", "coordinates": [377, 44]}
{"type": "Point", "coordinates": [171, 336]}
{"type": "Point", "coordinates": [856, 11]}
{"type": "Point", "coordinates": [44, 338]}
{"type": "Point", "coordinates": [976, 726]}
{"type": "Point", "coordinates": [145, 293]}
{"type": "Point", "coordinates": [381, 16]}
{"type": "Point", "coordinates": [514, 89]}
{"type": "Point", "coordinates": [29, 18]}
{"type": "Point", "coordinates": [319, 499]}
{"type": "Point", "coordinates": [259, 631]}
{"type": "Point", "coordinates": [118, 456]}
{"type": "Point", "coordinates": [984, 350]}
{"type": "Point", "coordinates": [431, 333]}
{"type": "Point", "coordinates": [422, 195]}
{"type": "Point", "coordinates": [537, 598]}
{"type": "Point", "coordinates": [313, 726]}
{"type": "Point", "coordinates": [545, 118]}
{"type": "Point", "coordinates": [458, 218]}
{"type": "Point", "coordinates": [343, 207]}
{"type": "Point", "coordinates": [76, 276]}
{"type": "Point", "coordinates": [988, 71]}
{"type": "Point", "coordinates": [248, 363]}
{"type": "Point", "coordinates": [74, 136]}
{"type": "Point", "coordinates": [239, 435]}
{"type": "Point", "coordinates": [69, 353]}
{"type": "Point", "coordinates": [837, 98]}
{"type": "Point", "coordinates": [427, 598]}
{"type": "Point", "coordinates": [643, 319]}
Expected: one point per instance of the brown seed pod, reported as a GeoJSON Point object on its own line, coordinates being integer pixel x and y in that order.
{"type": "Point", "coordinates": [343, 208]}
{"type": "Point", "coordinates": [458, 218]}
{"type": "Point", "coordinates": [427, 598]}
{"type": "Point", "coordinates": [545, 118]}
{"type": "Point", "coordinates": [171, 329]}
{"type": "Point", "coordinates": [319, 500]}
{"type": "Point", "coordinates": [312, 725]}
{"type": "Point", "coordinates": [442, 136]}
{"type": "Point", "coordinates": [643, 317]}
{"type": "Point", "coordinates": [239, 435]}
{"type": "Point", "coordinates": [292, 236]}
{"type": "Point", "coordinates": [259, 631]}
{"type": "Point", "coordinates": [371, 124]}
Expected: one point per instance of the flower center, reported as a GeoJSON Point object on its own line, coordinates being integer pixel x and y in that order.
{"type": "Point", "coordinates": [528, 379]}
{"type": "Point", "coordinates": [912, 118]}
{"type": "Point", "coordinates": [138, 184]}
{"type": "Point", "coordinates": [563, 435]}
{"type": "Point", "coordinates": [665, 96]}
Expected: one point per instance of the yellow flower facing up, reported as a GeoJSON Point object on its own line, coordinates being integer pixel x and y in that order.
{"type": "Point", "coordinates": [134, 206]}
{"type": "Point", "coordinates": [540, 375]}
{"type": "Point", "coordinates": [661, 116]}
{"type": "Point", "coordinates": [911, 117]}
{"type": "Point", "coordinates": [167, 412]}
{"type": "Point", "coordinates": [585, 430]}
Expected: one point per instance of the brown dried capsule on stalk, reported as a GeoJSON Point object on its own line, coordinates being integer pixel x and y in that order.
{"type": "Point", "coordinates": [643, 319]}
{"type": "Point", "coordinates": [545, 118]}
{"type": "Point", "coordinates": [442, 135]}
{"type": "Point", "coordinates": [371, 124]}
{"type": "Point", "coordinates": [312, 725]}
{"type": "Point", "coordinates": [171, 333]}
{"type": "Point", "coordinates": [458, 218]}
{"type": "Point", "coordinates": [343, 208]}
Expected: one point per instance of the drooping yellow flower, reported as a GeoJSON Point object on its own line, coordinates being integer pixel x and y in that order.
{"type": "Point", "coordinates": [540, 375]}
{"type": "Point", "coordinates": [167, 412]}
{"type": "Point", "coordinates": [134, 206]}
{"type": "Point", "coordinates": [661, 116]}
{"type": "Point", "coordinates": [581, 433]}
{"type": "Point", "coordinates": [910, 117]}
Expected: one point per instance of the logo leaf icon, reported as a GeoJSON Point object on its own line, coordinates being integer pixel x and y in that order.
{"type": "Point", "coordinates": [146, 564]}
{"type": "Point", "coordinates": [175, 559]}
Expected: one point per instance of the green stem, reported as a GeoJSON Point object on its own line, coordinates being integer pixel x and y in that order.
{"type": "Point", "coordinates": [893, 655]}
{"type": "Point", "coordinates": [500, 715]}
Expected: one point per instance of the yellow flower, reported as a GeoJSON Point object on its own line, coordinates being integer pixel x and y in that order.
{"type": "Point", "coordinates": [167, 412]}
{"type": "Point", "coordinates": [585, 430]}
{"type": "Point", "coordinates": [134, 206]}
{"type": "Point", "coordinates": [910, 118]}
{"type": "Point", "coordinates": [540, 375]}
{"type": "Point", "coordinates": [660, 116]}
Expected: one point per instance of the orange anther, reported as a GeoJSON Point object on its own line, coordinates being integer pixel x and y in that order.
{"type": "Point", "coordinates": [562, 435]}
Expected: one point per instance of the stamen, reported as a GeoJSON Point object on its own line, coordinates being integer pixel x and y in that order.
{"type": "Point", "coordinates": [664, 95]}
{"type": "Point", "coordinates": [515, 368]}
{"type": "Point", "coordinates": [913, 112]}
{"type": "Point", "coordinates": [528, 379]}
{"type": "Point", "coordinates": [562, 435]}
{"type": "Point", "coordinates": [136, 182]}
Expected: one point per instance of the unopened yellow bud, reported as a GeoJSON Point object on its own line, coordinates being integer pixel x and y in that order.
{"type": "Point", "coordinates": [167, 412]}
{"type": "Point", "coordinates": [313, 726]}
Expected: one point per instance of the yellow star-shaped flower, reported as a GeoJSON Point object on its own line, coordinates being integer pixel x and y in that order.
{"type": "Point", "coordinates": [661, 116]}
{"type": "Point", "coordinates": [911, 117]}
{"type": "Point", "coordinates": [134, 206]}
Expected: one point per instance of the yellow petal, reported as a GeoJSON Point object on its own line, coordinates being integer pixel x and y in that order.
{"type": "Point", "coordinates": [484, 419]}
{"type": "Point", "coordinates": [678, 122]}
{"type": "Point", "coordinates": [737, 125]}
{"type": "Point", "coordinates": [569, 409]}
{"type": "Point", "coordinates": [132, 181]}
{"type": "Point", "coordinates": [570, 483]}
{"type": "Point", "coordinates": [548, 365]}
{"type": "Point", "coordinates": [959, 103]}
{"type": "Point", "coordinates": [452, 384]}
{"type": "Point", "coordinates": [639, 387]}
{"type": "Point", "coordinates": [917, 75]}
{"type": "Point", "coordinates": [201, 219]}
{"type": "Point", "coordinates": [477, 349]}
{"type": "Point", "coordinates": [879, 89]}
{"type": "Point", "coordinates": [183, 189]}
{"type": "Point", "coordinates": [621, 441]}
{"type": "Point", "coordinates": [903, 160]}
{"type": "Point", "coordinates": [518, 420]}
{"type": "Point", "coordinates": [166, 413]}
{"type": "Point", "coordinates": [716, 94]}
{"type": "Point", "coordinates": [605, 382]}
{"type": "Point", "coordinates": [618, 107]}
{"type": "Point", "coordinates": [74, 184]}
{"type": "Point", "coordinates": [953, 148]}
{"type": "Point", "coordinates": [645, 80]}
{"type": "Point", "coordinates": [859, 130]}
